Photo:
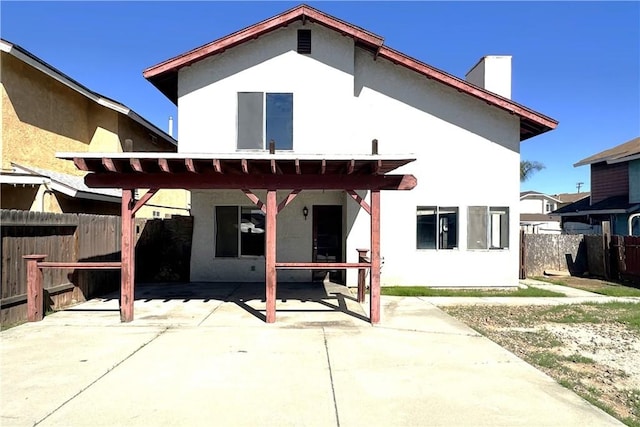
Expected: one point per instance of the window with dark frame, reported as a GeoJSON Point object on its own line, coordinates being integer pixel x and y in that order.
{"type": "Point", "coordinates": [436, 227]}
{"type": "Point", "coordinates": [304, 41]}
{"type": "Point", "coordinates": [239, 231]}
{"type": "Point", "coordinates": [264, 117]}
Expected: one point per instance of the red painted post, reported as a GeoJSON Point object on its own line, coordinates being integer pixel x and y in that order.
{"type": "Point", "coordinates": [362, 254]}
{"type": "Point", "coordinates": [126, 281]}
{"type": "Point", "coordinates": [35, 293]}
{"type": "Point", "coordinates": [270, 256]}
{"type": "Point", "coordinates": [374, 287]}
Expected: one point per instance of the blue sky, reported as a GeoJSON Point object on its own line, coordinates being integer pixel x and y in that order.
{"type": "Point", "coordinates": [578, 62]}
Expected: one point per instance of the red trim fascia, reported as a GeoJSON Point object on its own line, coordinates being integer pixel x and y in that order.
{"type": "Point", "coordinates": [254, 31]}
{"type": "Point", "coordinates": [463, 86]}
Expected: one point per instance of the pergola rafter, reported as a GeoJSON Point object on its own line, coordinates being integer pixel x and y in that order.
{"type": "Point", "coordinates": [247, 173]}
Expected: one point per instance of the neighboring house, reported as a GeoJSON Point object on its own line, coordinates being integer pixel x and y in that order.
{"type": "Point", "coordinates": [317, 85]}
{"type": "Point", "coordinates": [615, 191]}
{"type": "Point", "coordinates": [568, 198]}
{"type": "Point", "coordinates": [535, 213]}
{"type": "Point", "coordinates": [45, 111]}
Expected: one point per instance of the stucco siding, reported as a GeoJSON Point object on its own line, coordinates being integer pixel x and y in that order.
{"type": "Point", "coordinates": [322, 84]}
{"type": "Point", "coordinates": [467, 153]}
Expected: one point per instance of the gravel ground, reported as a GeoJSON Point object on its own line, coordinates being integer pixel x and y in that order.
{"type": "Point", "coordinates": [588, 348]}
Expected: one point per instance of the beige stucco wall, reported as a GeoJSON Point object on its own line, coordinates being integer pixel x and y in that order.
{"type": "Point", "coordinates": [41, 116]}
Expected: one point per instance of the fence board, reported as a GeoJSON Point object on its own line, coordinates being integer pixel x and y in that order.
{"type": "Point", "coordinates": [63, 238]}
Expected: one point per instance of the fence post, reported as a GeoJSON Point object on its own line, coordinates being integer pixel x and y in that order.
{"type": "Point", "coordinates": [523, 253]}
{"type": "Point", "coordinates": [606, 241]}
{"type": "Point", "coordinates": [362, 255]}
{"type": "Point", "coordinates": [35, 293]}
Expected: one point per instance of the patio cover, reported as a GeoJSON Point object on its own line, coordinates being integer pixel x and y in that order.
{"type": "Point", "coordinates": [247, 172]}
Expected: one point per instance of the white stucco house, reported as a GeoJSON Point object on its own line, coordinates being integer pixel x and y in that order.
{"type": "Point", "coordinates": [317, 85]}
{"type": "Point", "coordinates": [535, 213]}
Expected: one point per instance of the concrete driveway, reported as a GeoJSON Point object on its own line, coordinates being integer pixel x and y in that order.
{"type": "Point", "coordinates": [201, 354]}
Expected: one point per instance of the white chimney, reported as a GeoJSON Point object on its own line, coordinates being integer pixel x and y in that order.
{"type": "Point", "coordinates": [493, 73]}
{"type": "Point", "coordinates": [170, 126]}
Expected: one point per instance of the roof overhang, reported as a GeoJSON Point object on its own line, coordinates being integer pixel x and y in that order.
{"type": "Point", "coordinates": [540, 195]}
{"type": "Point", "coordinates": [23, 175]}
{"type": "Point", "coordinates": [624, 152]}
{"type": "Point", "coordinates": [40, 65]}
{"type": "Point", "coordinates": [164, 75]}
{"type": "Point", "coordinates": [242, 171]}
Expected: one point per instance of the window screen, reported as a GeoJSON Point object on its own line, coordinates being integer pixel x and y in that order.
{"type": "Point", "coordinates": [250, 120]}
{"type": "Point", "coordinates": [477, 227]}
{"type": "Point", "coordinates": [499, 227]}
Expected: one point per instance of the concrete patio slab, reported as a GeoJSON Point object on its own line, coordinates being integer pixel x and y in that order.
{"type": "Point", "coordinates": [201, 355]}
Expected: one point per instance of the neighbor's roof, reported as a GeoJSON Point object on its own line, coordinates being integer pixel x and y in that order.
{"type": "Point", "coordinates": [525, 194]}
{"type": "Point", "coordinates": [164, 75]}
{"type": "Point", "coordinates": [571, 197]}
{"type": "Point", "coordinates": [71, 185]}
{"type": "Point", "coordinates": [37, 63]}
{"type": "Point", "coordinates": [630, 150]}
{"type": "Point", "coordinates": [610, 205]}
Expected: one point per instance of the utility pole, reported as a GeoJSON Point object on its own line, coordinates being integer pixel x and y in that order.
{"type": "Point", "coordinates": [578, 185]}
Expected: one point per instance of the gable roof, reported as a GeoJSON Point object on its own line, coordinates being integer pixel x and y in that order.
{"type": "Point", "coordinates": [27, 57]}
{"type": "Point", "coordinates": [525, 194]}
{"type": "Point", "coordinates": [164, 75]}
{"type": "Point", "coordinates": [628, 151]}
{"type": "Point", "coordinates": [571, 197]}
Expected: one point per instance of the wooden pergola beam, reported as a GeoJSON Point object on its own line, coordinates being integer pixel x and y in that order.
{"type": "Point", "coordinates": [359, 200]}
{"type": "Point", "coordinates": [270, 255]}
{"type": "Point", "coordinates": [288, 199]}
{"type": "Point", "coordinates": [255, 199]}
{"type": "Point", "coordinates": [296, 162]}
{"type": "Point", "coordinates": [127, 247]}
{"type": "Point", "coordinates": [164, 165]}
{"type": "Point", "coordinates": [190, 166]}
{"type": "Point", "coordinates": [186, 180]}
{"type": "Point", "coordinates": [109, 164]}
{"type": "Point", "coordinates": [374, 284]}
{"type": "Point", "coordinates": [216, 166]}
{"type": "Point", "coordinates": [144, 199]}
{"type": "Point", "coordinates": [135, 165]}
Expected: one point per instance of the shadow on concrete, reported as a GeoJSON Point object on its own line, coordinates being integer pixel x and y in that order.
{"type": "Point", "coordinates": [325, 295]}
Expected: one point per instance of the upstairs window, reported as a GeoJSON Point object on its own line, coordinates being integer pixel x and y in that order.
{"type": "Point", "coordinates": [437, 228]}
{"type": "Point", "coordinates": [264, 117]}
{"type": "Point", "coordinates": [304, 41]}
{"type": "Point", "coordinates": [488, 227]}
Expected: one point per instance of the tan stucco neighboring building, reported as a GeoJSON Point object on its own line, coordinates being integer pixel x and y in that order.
{"type": "Point", "coordinates": [45, 111]}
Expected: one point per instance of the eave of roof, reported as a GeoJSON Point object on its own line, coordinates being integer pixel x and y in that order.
{"type": "Point", "coordinates": [625, 152]}
{"type": "Point", "coordinates": [164, 75]}
{"type": "Point", "coordinates": [610, 205]}
{"type": "Point", "coordinates": [27, 57]}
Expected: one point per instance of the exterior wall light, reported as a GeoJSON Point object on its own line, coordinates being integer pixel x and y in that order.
{"type": "Point", "coordinates": [305, 212]}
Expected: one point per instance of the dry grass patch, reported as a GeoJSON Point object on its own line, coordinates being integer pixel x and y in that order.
{"type": "Point", "coordinates": [592, 349]}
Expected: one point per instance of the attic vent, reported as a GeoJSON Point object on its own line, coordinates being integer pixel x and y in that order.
{"type": "Point", "coordinates": [304, 41]}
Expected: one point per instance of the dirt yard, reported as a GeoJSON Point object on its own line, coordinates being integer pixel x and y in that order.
{"type": "Point", "coordinates": [591, 349]}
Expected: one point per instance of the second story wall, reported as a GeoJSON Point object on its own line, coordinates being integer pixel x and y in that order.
{"type": "Point", "coordinates": [321, 84]}
{"type": "Point", "coordinates": [609, 180]}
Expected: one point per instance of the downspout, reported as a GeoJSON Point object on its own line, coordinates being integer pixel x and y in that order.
{"type": "Point", "coordinates": [631, 218]}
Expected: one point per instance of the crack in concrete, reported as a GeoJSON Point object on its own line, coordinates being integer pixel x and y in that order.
{"type": "Point", "coordinates": [219, 305]}
{"type": "Point", "coordinates": [101, 376]}
{"type": "Point", "coordinates": [333, 390]}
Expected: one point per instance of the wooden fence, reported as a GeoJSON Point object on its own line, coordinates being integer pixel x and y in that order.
{"type": "Point", "coordinates": [63, 238]}
{"type": "Point", "coordinates": [608, 257]}
{"type": "Point", "coordinates": [163, 252]}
